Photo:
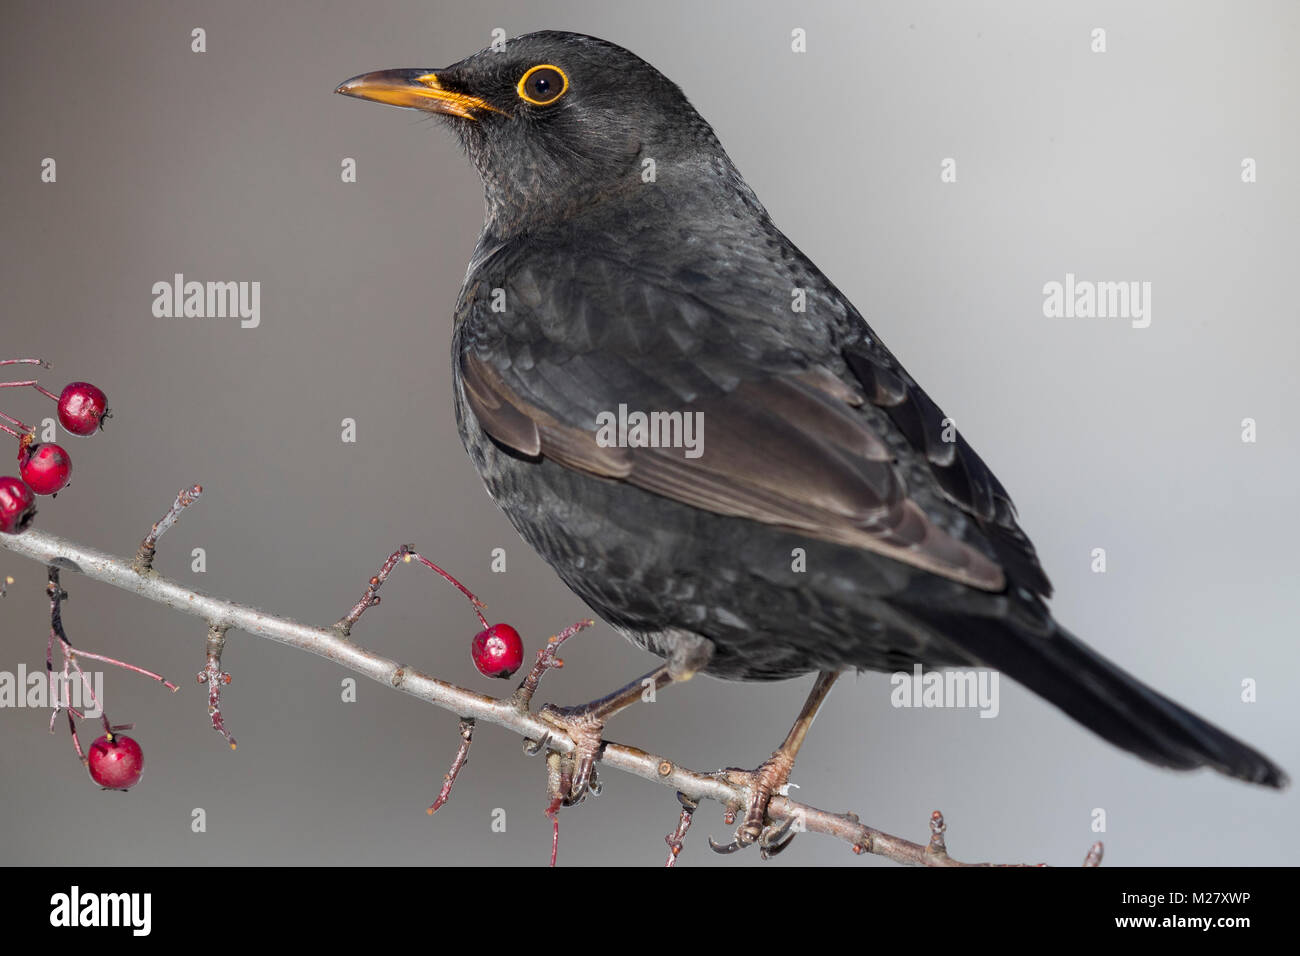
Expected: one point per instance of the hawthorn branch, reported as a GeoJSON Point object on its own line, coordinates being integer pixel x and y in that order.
{"type": "Point", "coordinates": [327, 642]}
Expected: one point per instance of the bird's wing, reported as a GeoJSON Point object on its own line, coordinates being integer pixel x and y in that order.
{"type": "Point", "coordinates": [959, 471]}
{"type": "Point", "coordinates": [776, 450]}
{"type": "Point", "coordinates": [785, 441]}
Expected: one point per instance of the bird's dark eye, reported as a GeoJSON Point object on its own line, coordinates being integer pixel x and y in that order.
{"type": "Point", "coordinates": [543, 85]}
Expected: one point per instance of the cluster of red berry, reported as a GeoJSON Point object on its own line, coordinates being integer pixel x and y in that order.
{"type": "Point", "coordinates": [114, 760]}
{"type": "Point", "coordinates": [46, 467]}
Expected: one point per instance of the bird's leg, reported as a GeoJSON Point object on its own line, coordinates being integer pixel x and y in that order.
{"type": "Point", "coordinates": [771, 777]}
{"type": "Point", "coordinates": [585, 724]}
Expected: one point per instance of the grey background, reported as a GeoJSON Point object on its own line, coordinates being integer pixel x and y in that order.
{"type": "Point", "coordinates": [225, 166]}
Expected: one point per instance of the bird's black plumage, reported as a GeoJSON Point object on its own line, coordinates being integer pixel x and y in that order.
{"type": "Point", "coordinates": [624, 261]}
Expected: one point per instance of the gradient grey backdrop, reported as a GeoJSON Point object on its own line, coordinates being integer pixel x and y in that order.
{"type": "Point", "coordinates": [225, 166]}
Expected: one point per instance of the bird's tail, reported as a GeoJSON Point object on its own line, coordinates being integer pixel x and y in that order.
{"type": "Point", "coordinates": [1117, 706]}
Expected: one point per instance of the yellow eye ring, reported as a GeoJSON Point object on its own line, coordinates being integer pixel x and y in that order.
{"type": "Point", "coordinates": [537, 86]}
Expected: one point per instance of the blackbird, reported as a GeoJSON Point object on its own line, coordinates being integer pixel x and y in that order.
{"type": "Point", "coordinates": [789, 499]}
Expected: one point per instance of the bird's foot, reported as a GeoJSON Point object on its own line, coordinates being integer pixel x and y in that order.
{"type": "Point", "coordinates": [585, 727]}
{"type": "Point", "coordinates": [770, 778]}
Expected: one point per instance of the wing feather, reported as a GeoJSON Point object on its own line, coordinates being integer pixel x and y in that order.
{"type": "Point", "coordinates": [785, 450]}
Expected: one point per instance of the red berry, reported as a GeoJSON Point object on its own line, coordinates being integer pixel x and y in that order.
{"type": "Point", "coordinates": [498, 651]}
{"type": "Point", "coordinates": [17, 505]}
{"type": "Point", "coordinates": [46, 468]}
{"type": "Point", "coordinates": [82, 408]}
{"type": "Point", "coordinates": [115, 762]}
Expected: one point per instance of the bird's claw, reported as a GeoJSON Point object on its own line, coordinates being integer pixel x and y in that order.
{"type": "Point", "coordinates": [578, 774]}
{"type": "Point", "coordinates": [774, 840]}
{"type": "Point", "coordinates": [725, 848]}
{"type": "Point", "coordinates": [762, 783]}
{"type": "Point", "coordinates": [771, 840]}
{"type": "Point", "coordinates": [533, 747]}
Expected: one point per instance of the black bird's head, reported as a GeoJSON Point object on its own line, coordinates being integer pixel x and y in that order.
{"type": "Point", "coordinates": [554, 121]}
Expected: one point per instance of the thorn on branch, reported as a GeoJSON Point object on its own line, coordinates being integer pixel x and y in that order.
{"type": "Point", "coordinates": [457, 763]}
{"type": "Point", "coordinates": [216, 679]}
{"type": "Point", "coordinates": [403, 554]}
{"type": "Point", "coordinates": [143, 562]}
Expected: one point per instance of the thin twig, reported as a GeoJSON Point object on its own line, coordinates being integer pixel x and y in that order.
{"type": "Point", "coordinates": [556, 787]}
{"type": "Point", "coordinates": [546, 660]}
{"type": "Point", "coordinates": [23, 432]}
{"type": "Point", "coordinates": [26, 361]}
{"type": "Point", "coordinates": [57, 596]}
{"type": "Point", "coordinates": [326, 642]}
{"type": "Point", "coordinates": [143, 563]}
{"type": "Point", "coordinates": [676, 838]}
{"type": "Point", "coordinates": [457, 762]}
{"type": "Point", "coordinates": [63, 700]}
{"type": "Point", "coordinates": [937, 847]}
{"type": "Point", "coordinates": [32, 383]}
{"type": "Point", "coordinates": [404, 554]}
{"type": "Point", "coordinates": [216, 679]}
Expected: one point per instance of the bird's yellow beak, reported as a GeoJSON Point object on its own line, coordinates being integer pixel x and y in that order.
{"type": "Point", "coordinates": [416, 90]}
